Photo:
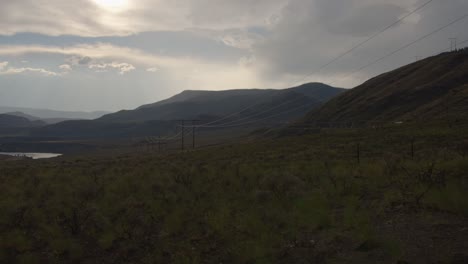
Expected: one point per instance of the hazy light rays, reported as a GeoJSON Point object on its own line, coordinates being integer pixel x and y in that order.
{"type": "Point", "coordinates": [113, 5]}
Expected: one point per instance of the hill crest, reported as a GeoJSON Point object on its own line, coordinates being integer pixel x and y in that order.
{"type": "Point", "coordinates": [192, 104]}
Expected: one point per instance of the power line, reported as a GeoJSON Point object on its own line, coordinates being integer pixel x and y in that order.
{"type": "Point", "coordinates": [405, 46]}
{"type": "Point", "coordinates": [232, 114]}
{"type": "Point", "coordinates": [459, 44]}
{"type": "Point", "coordinates": [365, 41]}
{"type": "Point", "coordinates": [266, 118]}
{"type": "Point", "coordinates": [230, 124]}
{"type": "Point", "coordinates": [247, 137]}
{"type": "Point", "coordinates": [183, 127]}
{"type": "Point", "coordinates": [254, 115]}
{"type": "Point", "coordinates": [329, 63]}
{"type": "Point", "coordinates": [333, 60]}
{"type": "Point", "coordinates": [453, 44]}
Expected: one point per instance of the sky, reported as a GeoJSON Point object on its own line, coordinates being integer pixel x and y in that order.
{"type": "Point", "coordinates": [109, 55]}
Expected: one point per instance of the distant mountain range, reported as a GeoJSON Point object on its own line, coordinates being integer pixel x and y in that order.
{"type": "Point", "coordinates": [435, 88]}
{"type": "Point", "coordinates": [46, 114]}
{"type": "Point", "coordinates": [252, 107]}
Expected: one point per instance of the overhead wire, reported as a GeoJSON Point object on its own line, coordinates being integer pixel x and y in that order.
{"type": "Point", "coordinates": [382, 58]}
{"type": "Point", "coordinates": [345, 53]}
{"type": "Point", "coordinates": [330, 62]}
{"type": "Point", "coordinates": [232, 123]}
{"type": "Point", "coordinates": [266, 118]}
{"type": "Point", "coordinates": [250, 116]}
{"type": "Point", "coordinates": [366, 40]}
{"type": "Point", "coordinates": [458, 43]}
{"type": "Point", "coordinates": [403, 47]}
{"type": "Point", "coordinates": [232, 114]}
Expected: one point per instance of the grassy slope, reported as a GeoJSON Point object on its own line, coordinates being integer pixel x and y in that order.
{"type": "Point", "coordinates": [293, 200]}
{"type": "Point", "coordinates": [434, 88]}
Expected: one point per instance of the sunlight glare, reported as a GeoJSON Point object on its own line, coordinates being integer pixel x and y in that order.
{"type": "Point", "coordinates": [112, 5]}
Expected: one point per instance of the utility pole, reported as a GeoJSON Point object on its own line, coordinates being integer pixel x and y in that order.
{"type": "Point", "coordinates": [453, 44]}
{"type": "Point", "coordinates": [183, 132]}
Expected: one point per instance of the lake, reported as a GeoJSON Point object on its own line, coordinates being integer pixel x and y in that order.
{"type": "Point", "coordinates": [32, 155]}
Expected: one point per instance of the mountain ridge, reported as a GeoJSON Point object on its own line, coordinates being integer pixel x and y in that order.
{"type": "Point", "coordinates": [160, 118]}
{"type": "Point", "coordinates": [196, 103]}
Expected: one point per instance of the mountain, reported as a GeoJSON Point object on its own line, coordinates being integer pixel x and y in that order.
{"type": "Point", "coordinates": [13, 125]}
{"type": "Point", "coordinates": [215, 104]}
{"type": "Point", "coordinates": [21, 114]}
{"type": "Point", "coordinates": [49, 121]}
{"type": "Point", "coordinates": [253, 108]}
{"type": "Point", "coordinates": [431, 89]}
{"type": "Point", "coordinates": [13, 121]}
{"type": "Point", "coordinates": [52, 114]}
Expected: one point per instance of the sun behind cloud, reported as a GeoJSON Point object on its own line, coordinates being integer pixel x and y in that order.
{"type": "Point", "coordinates": [112, 5]}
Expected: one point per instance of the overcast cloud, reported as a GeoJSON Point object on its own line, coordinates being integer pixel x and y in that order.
{"type": "Point", "coordinates": [116, 54]}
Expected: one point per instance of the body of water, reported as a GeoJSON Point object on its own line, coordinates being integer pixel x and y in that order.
{"type": "Point", "coordinates": [32, 155]}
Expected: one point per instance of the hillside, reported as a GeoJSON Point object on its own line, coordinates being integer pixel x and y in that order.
{"type": "Point", "coordinates": [13, 121]}
{"type": "Point", "coordinates": [255, 108]}
{"type": "Point", "coordinates": [159, 118]}
{"type": "Point", "coordinates": [430, 89]}
{"type": "Point", "coordinates": [21, 114]}
{"type": "Point", "coordinates": [215, 104]}
{"type": "Point", "coordinates": [48, 121]}
{"type": "Point", "coordinates": [51, 114]}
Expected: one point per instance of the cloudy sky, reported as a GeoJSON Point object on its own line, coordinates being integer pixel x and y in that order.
{"type": "Point", "coordinates": [119, 54]}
